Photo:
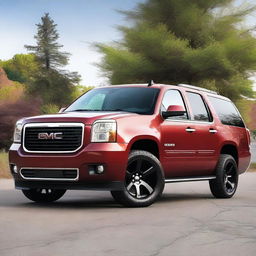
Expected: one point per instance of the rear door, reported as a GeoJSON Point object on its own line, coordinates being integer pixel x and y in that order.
{"type": "Point", "coordinates": [206, 136]}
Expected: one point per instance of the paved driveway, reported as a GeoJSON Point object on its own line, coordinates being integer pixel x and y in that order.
{"type": "Point", "coordinates": [186, 221]}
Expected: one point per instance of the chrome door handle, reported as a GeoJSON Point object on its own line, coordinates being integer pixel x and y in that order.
{"type": "Point", "coordinates": [190, 129]}
{"type": "Point", "coordinates": [213, 131]}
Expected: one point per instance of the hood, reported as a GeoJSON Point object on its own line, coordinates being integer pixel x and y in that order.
{"type": "Point", "coordinates": [81, 117]}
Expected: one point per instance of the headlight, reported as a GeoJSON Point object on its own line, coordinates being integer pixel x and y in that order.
{"type": "Point", "coordinates": [17, 132]}
{"type": "Point", "coordinates": [103, 131]}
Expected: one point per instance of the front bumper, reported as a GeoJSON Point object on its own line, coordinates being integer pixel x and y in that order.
{"type": "Point", "coordinates": [113, 156]}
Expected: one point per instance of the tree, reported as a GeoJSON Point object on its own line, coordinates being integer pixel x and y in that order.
{"type": "Point", "coordinates": [197, 42]}
{"type": "Point", "coordinates": [54, 85]}
{"type": "Point", "coordinates": [47, 49]}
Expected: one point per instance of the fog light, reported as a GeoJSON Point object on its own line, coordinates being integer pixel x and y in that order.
{"type": "Point", "coordinates": [96, 169]}
{"type": "Point", "coordinates": [14, 168]}
{"type": "Point", "coordinates": [100, 169]}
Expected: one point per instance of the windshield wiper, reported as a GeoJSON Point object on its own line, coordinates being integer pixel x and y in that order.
{"type": "Point", "coordinates": [116, 109]}
{"type": "Point", "coordinates": [84, 110]}
{"type": "Point", "coordinates": [103, 110]}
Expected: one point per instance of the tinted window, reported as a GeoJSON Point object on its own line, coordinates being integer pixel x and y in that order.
{"type": "Point", "coordinates": [226, 112]}
{"type": "Point", "coordinates": [130, 99]}
{"type": "Point", "coordinates": [199, 110]}
{"type": "Point", "coordinates": [173, 97]}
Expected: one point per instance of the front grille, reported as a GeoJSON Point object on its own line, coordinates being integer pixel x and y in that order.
{"type": "Point", "coordinates": [69, 137]}
{"type": "Point", "coordinates": [49, 174]}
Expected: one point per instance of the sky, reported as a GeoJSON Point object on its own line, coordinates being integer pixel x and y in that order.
{"type": "Point", "coordinates": [80, 24]}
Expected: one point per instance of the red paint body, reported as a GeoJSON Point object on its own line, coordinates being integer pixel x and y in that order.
{"type": "Point", "coordinates": [194, 154]}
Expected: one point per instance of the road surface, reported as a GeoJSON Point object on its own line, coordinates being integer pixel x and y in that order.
{"type": "Point", "coordinates": [253, 152]}
{"type": "Point", "coordinates": [186, 221]}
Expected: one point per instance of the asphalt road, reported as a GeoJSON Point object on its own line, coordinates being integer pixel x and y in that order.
{"type": "Point", "coordinates": [253, 152]}
{"type": "Point", "coordinates": [186, 221]}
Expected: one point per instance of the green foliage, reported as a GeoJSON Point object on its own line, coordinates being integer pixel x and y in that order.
{"type": "Point", "coordinates": [11, 93]}
{"type": "Point", "coordinates": [52, 87]}
{"type": "Point", "coordinates": [79, 90]}
{"type": "Point", "coordinates": [50, 109]}
{"type": "Point", "coordinates": [47, 49]}
{"type": "Point", "coordinates": [245, 107]}
{"type": "Point", "coordinates": [21, 67]}
{"type": "Point", "coordinates": [197, 42]}
{"type": "Point", "coordinates": [253, 133]}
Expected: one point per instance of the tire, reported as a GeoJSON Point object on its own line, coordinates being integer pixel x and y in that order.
{"type": "Point", "coordinates": [144, 180]}
{"type": "Point", "coordinates": [42, 195]}
{"type": "Point", "coordinates": [226, 182]}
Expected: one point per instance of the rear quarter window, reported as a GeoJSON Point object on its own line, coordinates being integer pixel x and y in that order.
{"type": "Point", "coordinates": [227, 112]}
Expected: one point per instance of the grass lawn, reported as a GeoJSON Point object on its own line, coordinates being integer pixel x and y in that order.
{"type": "Point", "coordinates": [5, 173]}
{"type": "Point", "coordinates": [4, 166]}
{"type": "Point", "coordinates": [253, 167]}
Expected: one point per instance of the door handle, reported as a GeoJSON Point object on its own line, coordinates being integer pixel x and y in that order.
{"type": "Point", "coordinates": [211, 130]}
{"type": "Point", "coordinates": [190, 129]}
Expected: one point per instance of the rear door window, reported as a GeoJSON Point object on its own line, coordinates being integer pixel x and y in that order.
{"type": "Point", "coordinates": [200, 112]}
{"type": "Point", "coordinates": [227, 112]}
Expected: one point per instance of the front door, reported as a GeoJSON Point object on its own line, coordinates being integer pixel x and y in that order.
{"type": "Point", "coordinates": [187, 142]}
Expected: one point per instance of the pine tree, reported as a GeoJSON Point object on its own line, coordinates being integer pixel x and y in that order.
{"type": "Point", "coordinates": [199, 42]}
{"type": "Point", "coordinates": [51, 83]}
{"type": "Point", "coordinates": [47, 49]}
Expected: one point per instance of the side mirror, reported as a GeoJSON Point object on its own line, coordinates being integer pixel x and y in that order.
{"type": "Point", "coordinates": [174, 110]}
{"type": "Point", "coordinates": [62, 110]}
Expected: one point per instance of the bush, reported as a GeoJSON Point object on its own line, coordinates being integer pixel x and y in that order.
{"type": "Point", "coordinates": [253, 133]}
{"type": "Point", "coordinates": [10, 113]}
{"type": "Point", "coordinates": [11, 93]}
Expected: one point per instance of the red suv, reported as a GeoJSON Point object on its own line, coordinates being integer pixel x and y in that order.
{"type": "Point", "coordinates": [131, 140]}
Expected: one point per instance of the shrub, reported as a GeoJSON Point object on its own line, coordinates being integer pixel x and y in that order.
{"type": "Point", "coordinates": [10, 113]}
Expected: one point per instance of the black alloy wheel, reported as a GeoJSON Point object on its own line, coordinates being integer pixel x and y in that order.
{"type": "Point", "coordinates": [144, 180]}
{"type": "Point", "coordinates": [226, 182]}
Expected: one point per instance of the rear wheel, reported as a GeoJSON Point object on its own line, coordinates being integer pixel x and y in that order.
{"type": "Point", "coordinates": [144, 180]}
{"type": "Point", "coordinates": [226, 182]}
{"type": "Point", "coordinates": [44, 195]}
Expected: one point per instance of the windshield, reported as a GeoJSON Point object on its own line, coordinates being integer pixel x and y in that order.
{"type": "Point", "coordinates": [128, 99]}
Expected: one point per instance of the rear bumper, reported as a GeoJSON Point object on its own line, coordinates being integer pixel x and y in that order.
{"type": "Point", "coordinates": [113, 156]}
{"type": "Point", "coordinates": [244, 161]}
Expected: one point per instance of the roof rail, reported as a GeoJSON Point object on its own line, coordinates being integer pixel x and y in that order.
{"type": "Point", "coordinates": [197, 88]}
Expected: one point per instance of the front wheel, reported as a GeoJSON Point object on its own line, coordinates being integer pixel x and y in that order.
{"type": "Point", "coordinates": [44, 195]}
{"type": "Point", "coordinates": [226, 182]}
{"type": "Point", "coordinates": [144, 180]}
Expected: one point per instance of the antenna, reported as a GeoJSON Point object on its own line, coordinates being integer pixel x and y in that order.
{"type": "Point", "coordinates": [150, 83]}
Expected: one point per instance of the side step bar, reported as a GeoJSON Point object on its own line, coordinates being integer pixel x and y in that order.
{"type": "Point", "coordinates": [199, 178]}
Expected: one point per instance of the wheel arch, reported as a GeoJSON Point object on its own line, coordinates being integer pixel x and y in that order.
{"type": "Point", "coordinates": [147, 143]}
{"type": "Point", "coordinates": [230, 149]}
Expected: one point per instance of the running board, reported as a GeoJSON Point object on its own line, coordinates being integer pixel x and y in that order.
{"type": "Point", "coordinates": [201, 178]}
